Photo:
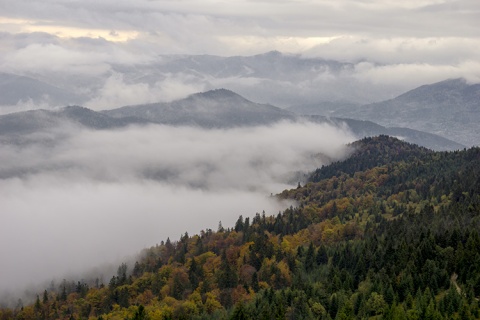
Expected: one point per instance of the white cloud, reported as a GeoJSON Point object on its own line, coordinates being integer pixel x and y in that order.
{"type": "Point", "coordinates": [191, 27]}
{"type": "Point", "coordinates": [53, 228]}
{"type": "Point", "coordinates": [414, 34]}
{"type": "Point", "coordinates": [116, 92]}
{"type": "Point", "coordinates": [441, 50]}
{"type": "Point", "coordinates": [98, 196]}
{"type": "Point", "coordinates": [51, 55]}
{"type": "Point", "coordinates": [415, 75]}
{"type": "Point", "coordinates": [53, 58]}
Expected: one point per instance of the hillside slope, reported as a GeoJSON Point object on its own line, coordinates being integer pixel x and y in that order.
{"type": "Point", "coordinates": [16, 88]}
{"type": "Point", "coordinates": [215, 108]}
{"type": "Point", "coordinates": [450, 108]}
{"type": "Point", "coordinates": [391, 232]}
{"type": "Point", "coordinates": [212, 109]}
{"type": "Point", "coordinates": [364, 128]}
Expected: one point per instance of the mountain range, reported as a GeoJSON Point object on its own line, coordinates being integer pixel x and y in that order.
{"type": "Point", "coordinates": [215, 108]}
{"type": "Point", "coordinates": [16, 89]}
{"type": "Point", "coordinates": [449, 108]}
{"type": "Point", "coordinates": [219, 108]}
{"type": "Point", "coordinates": [272, 77]}
{"type": "Point", "coordinates": [304, 85]}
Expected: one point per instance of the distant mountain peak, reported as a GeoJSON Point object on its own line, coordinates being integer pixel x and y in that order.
{"type": "Point", "coordinates": [219, 108]}
{"type": "Point", "coordinates": [75, 108]}
{"type": "Point", "coordinates": [454, 81]}
{"type": "Point", "coordinates": [274, 53]}
{"type": "Point", "coordinates": [449, 108]}
{"type": "Point", "coordinates": [216, 94]}
{"type": "Point", "coordinates": [17, 88]}
{"type": "Point", "coordinates": [438, 90]}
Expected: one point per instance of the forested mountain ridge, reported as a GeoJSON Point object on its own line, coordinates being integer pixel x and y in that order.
{"type": "Point", "coordinates": [371, 152]}
{"type": "Point", "coordinates": [389, 233]}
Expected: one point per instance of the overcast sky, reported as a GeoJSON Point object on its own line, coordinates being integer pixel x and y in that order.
{"type": "Point", "coordinates": [426, 31]}
{"type": "Point", "coordinates": [395, 45]}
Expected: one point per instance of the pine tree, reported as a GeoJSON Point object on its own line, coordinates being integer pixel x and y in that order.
{"type": "Point", "coordinates": [310, 258]}
{"type": "Point", "coordinates": [45, 297]}
{"type": "Point", "coordinates": [239, 312]}
{"type": "Point", "coordinates": [321, 257]}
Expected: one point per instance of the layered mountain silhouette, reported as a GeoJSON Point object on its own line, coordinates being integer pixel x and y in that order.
{"type": "Point", "coordinates": [449, 108]}
{"type": "Point", "coordinates": [29, 122]}
{"type": "Point", "coordinates": [16, 89]}
{"type": "Point", "coordinates": [312, 86]}
{"type": "Point", "coordinates": [269, 65]}
{"type": "Point", "coordinates": [363, 128]}
{"type": "Point", "coordinates": [219, 108]}
{"type": "Point", "coordinates": [212, 109]}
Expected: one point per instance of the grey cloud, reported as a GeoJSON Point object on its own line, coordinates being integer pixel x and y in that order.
{"type": "Point", "coordinates": [385, 32]}
{"type": "Point", "coordinates": [53, 227]}
{"type": "Point", "coordinates": [187, 156]}
{"type": "Point", "coordinates": [441, 51]}
{"type": "Point", "coordinates": [98, 196]}
{"type": "Point", "coordinates": [186, 21]}
{"type": "Point", "coordinates": [118, 92]}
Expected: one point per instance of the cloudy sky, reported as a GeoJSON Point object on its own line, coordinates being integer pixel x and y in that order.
{"type": "Point", "coordinates": [395, 46]}
{"type": "Point", "coordinates": [422, 31]}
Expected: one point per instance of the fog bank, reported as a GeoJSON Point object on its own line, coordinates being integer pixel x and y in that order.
{"type": "Point", "coordinates": [97, 197]}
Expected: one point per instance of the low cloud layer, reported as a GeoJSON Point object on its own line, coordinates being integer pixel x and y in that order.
{"type": "Point", "coordinates": [96, 197]}
{"type": "Point", "coordinates": [407, 44]}
{"type": "Point", "coordinates": [117, 92]}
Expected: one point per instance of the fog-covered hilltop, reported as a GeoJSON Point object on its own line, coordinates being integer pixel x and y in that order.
{"type": "Point", "coordinates": [269, 65]}
{"type": "Point", "coordinates": [364, 128]}
{"type": "Point", "coordinates": [219, 108]}
{"type": "Point", "coordinates": [273, 77]}
{"type": "Point", "coordinates": [16, 89]}
{"type": "Point", "coordinates": [215, 108]}
{"type": "Point", "coordinates": [449, 108]}
{"type": "Point", "coordinates": [28, 122]}
{"type": "Point", "coordinates": [300, 84]}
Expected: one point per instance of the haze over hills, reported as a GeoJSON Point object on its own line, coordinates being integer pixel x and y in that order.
{"type": "Point", "coordinates": [305, 85]}
{"type": "Point", "coordinates": [363, 128]}
{"type": "Point", "coordinates": [449, 108]}
{"type": "Point", "coordinates": [213, 109]}
{"type": "Point", "coordinates": [28, 122]}
{"type": "Point", "coordinates": [269, 65]}
{"type": "Point", "coordinates": [271, 78]}
{"type": "Point", "coordinates": [15, 89]}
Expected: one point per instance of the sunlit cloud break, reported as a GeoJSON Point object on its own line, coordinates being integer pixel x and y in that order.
{"type": "Point", "coordinates": [62, 31]}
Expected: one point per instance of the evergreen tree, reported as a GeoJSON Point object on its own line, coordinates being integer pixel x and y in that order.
{"type": "Point", "coordinates": [310, 258]}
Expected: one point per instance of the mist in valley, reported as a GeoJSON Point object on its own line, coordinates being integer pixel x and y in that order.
{"type": "Point", "coordinates": [96, 197]}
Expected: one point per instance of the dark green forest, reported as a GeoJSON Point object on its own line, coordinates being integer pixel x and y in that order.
{"type": "Point", "coordinates": [392, 232]}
